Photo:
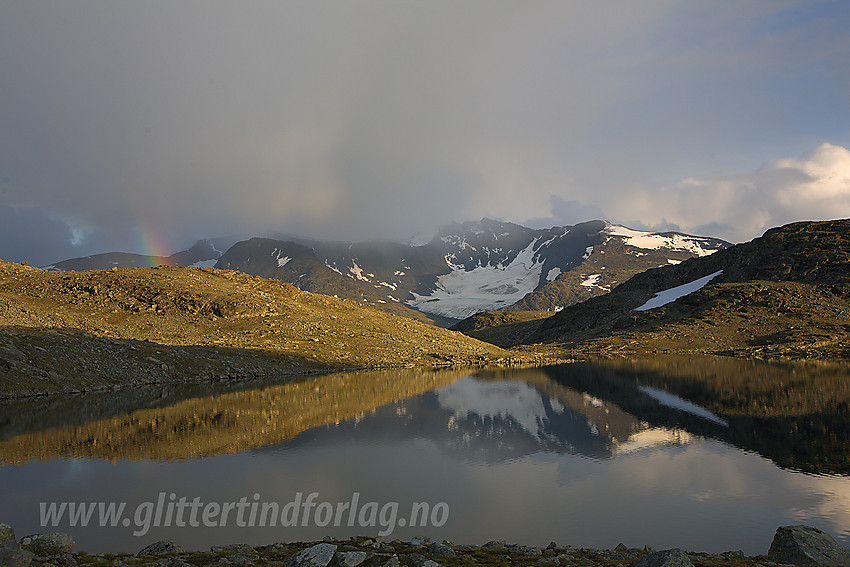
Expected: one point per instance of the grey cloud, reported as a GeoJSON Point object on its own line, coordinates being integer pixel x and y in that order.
{"type": "Point", "coordinates": [566, 212]}
{"type": "Point", "coordinates": [386, 119]}
{"type": "Point", "coordinates": [33, 237]}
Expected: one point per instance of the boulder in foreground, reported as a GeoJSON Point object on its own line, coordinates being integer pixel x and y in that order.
{"type": "Point", "coordinates": [11, 554]}
{"type": "Point", "coordinates": [805, 545]}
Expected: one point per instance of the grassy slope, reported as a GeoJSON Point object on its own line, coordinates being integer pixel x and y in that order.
{"type": "Point", "coordinates": [82, 329]}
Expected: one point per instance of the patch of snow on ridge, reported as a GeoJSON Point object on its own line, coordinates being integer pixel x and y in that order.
{"type": "Point", "coordinates": [675, 402]}
{"type": "Point", "coordinates": [587, 252]}
{"type": "Point", "coordinates": [670, 295]}
{"type": "Point", "coordinates": [553, 274]}
{"type": "Point", "coordinates": [590, 281]}
{"type": "Point", "coordinates": [334, 268]}
{"type": "Point", "coordinates": [655, 241]}
{"type": "Point", "coordinates": [462, 293]}
{"type": "Point", "coordinates": [281, 262]}
{"type": "Point", "coordinates": [357, 272]}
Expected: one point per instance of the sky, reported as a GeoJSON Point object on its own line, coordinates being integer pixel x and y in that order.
{"type": "Point", "coordinates": [144, 126]}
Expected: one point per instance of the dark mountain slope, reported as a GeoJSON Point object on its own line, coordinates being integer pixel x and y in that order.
{"type": "Point", "coordinates": [297, 264]}
{"type": "Point", "coordinates": [786, 293]}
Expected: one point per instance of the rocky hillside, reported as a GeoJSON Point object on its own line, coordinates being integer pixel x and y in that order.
{"type": "Point", "coordinates": [93, 328]}
{"type": "Point", "coordinates": [299, 265]}
{"type": "Point", "coordinates": [787, 292]}
{"type": "Point", "coordinates": [465, 269]}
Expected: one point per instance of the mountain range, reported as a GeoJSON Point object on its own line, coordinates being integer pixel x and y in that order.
{"type": "Point", "coordinates": [784, 293]}
{"type": "Point", "coordinates": [465, 269]}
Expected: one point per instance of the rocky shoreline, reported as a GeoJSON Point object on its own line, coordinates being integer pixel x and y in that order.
{"type": "Point", "coordinates": [792, 545]}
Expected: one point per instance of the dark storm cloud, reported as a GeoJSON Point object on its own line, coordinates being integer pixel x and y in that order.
{"type": "Point", "coordinates": [133, 123]}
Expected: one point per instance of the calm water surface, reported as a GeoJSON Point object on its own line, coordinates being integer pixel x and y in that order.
{"type": "Point", "coordinates": [588, 455]}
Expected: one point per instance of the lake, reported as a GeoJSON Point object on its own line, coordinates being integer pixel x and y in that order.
{"type": "Point", "coordinates": [588, 454]}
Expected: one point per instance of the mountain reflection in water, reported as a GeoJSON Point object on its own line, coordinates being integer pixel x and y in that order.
{"type": "Point", "coordinates": [504, 416]}
{"type": "Point", "coordinates": [580, 454]}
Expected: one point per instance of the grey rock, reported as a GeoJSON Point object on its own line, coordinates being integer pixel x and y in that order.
{"type": "Point", "coordinates": [381, 560]}
{"type": "Point", "coordinates": [420, 540]}
{"type": "Point", "coordinates": [419, 560]}
{"type": "Point", "coordinates": [11, 554]}
{"type": "Point", "coordinates": [170, 562]}
{"type": "Point", "coordinates": [349, 558]}
{"type": "Point", "coordinates": [318, 555]}
{"type": "Point", "coordinates": [239, 560]}
{"type": "Point", "coordinates": [621, 547]}
{"type": "Point", "coordinates": [66, 560]}
{"type": "Point", "coordinates": [666, 558]}
{"type": "Point", "coordinates": [805, 545]}
{"type": "Point", "coordinates": [48, 544]}
{"type": "Point", "coordinates": [441, 550]}
{"type": "Point", "coordinates": [161, 547]}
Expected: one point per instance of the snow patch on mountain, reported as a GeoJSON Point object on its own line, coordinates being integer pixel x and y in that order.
{"type": "Point", "coordinates": [553, 274]}
{"type": "Point", "coordinates": [670, 295]}
{"type": "Point", "coordinates": [334, 268]}
{"type": "Point", "coordinates": [357, 272]}
{"type": "Point", "coordinates": [281, 262]}
{"type": "Point", "coordinates": [462, 293]}
{"type": "Point", "coordinates": [654, 241]}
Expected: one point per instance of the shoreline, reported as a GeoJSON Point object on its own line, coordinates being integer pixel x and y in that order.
{"type": "Point", "coordinates": [791, 545]}
{"type": "Point", "coordinates": [362, 551]}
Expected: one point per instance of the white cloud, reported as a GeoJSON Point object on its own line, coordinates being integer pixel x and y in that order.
{"type": "Point", "coordinates": [739, 207]}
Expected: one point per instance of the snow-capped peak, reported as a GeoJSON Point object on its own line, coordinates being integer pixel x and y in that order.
{"type": "Point", "coordinates": [697, 245]}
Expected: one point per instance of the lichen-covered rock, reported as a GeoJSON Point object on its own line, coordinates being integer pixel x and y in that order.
{"type": "Point", "coordinates": [666, 558]}
{"type": "Point", "coordinates": [239, 560]}
{"type": "Point", "coordinates": [349, 558]}
{"type": "Point", "coordinates": [170, 562]}
{"type": "Point", "coordinates": [11, 554]}
{"type": "Point", "coordinates": [805, 545]}
{"type": "Point", "coordinates": [48, 544]}
{"type": "Point", "coordinates": [381, 560]}
{"type": "Point", "coordinates": [160, 548]}
{"type": "Point", "coordinates": [318, 555]}
{"type": "Point", "coordinates": [441, 550]}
